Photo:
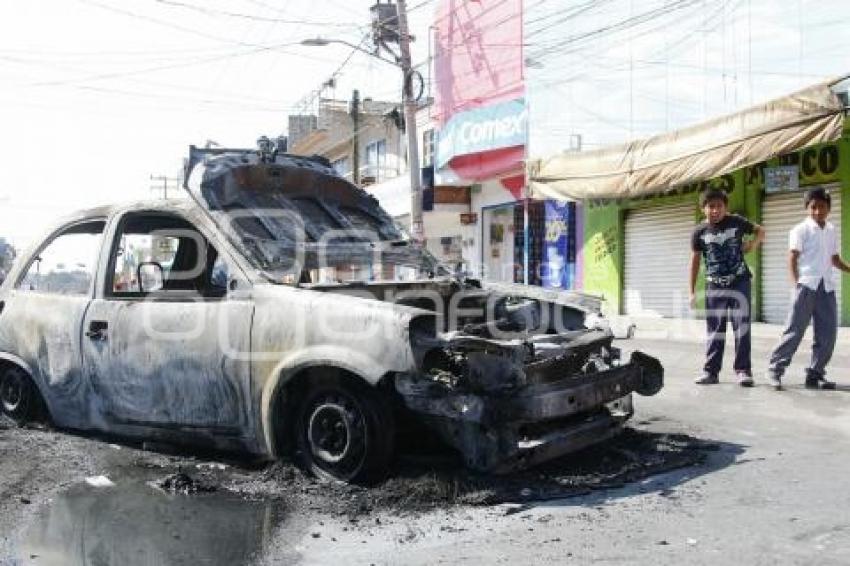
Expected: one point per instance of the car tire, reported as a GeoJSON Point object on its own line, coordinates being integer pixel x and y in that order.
{"type": "Point", "coordinates": [19, 399]}
{"type": "Point", "coordinates": [345, 432]}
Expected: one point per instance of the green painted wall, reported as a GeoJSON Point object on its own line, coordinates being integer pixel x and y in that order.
{"type": "Point", "coordinates": [604, 240]}
{"type": "Point", "coordinates": [604, 221]}
{"type": "Point", "coordinates": [844, 173]}
{"type": "Point", "coordinates": [603, 253]}
{"type": "Point", "coordinates": [819, 164]}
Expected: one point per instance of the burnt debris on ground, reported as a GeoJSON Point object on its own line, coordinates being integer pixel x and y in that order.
{"type": "Point", "coordinates": [417, 486]}
{"type": "Point", "coordinates": [182, 482]}
{"type": "Point", "coordinates": [422, 481]}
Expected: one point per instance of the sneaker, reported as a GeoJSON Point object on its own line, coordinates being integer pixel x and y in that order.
{"type": "Point", "coordinates": [774, 381]}
{"type": "Point", "coordinates": [819, 383]}
{"type": "Point", "coordinates": [745, 379]}
{"type": "Point", "coordinates": [707, 379]}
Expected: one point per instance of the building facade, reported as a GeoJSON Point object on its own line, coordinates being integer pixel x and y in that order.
{"type": "Point", "coordinates": [482, 117]}
{"type": "Point", "coordinates": [363, 139]}
{"type": "Point", "coordinates": [636, 250]}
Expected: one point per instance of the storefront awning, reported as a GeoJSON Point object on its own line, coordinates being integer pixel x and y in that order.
{"type": "Point", "coordinates": [655, 165]}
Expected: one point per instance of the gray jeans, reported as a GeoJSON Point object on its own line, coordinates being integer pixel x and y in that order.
{"type": "Point", "coordinates": [808, 305]}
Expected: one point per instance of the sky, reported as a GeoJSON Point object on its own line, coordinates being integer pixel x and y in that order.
{"type": "Point", "coordinates": [614, 70]}
{"type": "Point", "coordinates": [98, 95]}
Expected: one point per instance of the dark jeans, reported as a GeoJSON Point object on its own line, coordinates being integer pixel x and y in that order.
{"type": "Point", "coordinates": [818, 307]}
{"type": "Point", "coordinates": [722, 304]}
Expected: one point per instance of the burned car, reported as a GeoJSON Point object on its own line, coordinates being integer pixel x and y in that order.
{"type": "Point", "coordinates": [278, 309]}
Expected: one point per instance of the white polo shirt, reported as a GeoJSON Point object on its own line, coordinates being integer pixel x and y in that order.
{"type": "Point", "coordinates": [816, 246]}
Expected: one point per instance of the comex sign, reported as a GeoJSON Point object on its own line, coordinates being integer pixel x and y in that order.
{"type": "Point", "coordinates": [483, 129]}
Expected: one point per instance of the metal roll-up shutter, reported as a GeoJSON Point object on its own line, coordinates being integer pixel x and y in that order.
{"type": "Point", "coordinates": [780, 213]}
{"type": "Point", "coordinates": [658, 249]}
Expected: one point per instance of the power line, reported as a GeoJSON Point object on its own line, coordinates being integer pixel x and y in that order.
{"type": "Point", "coordinates": [263, 5]}
{"type": "Point", "coordinates": [217, 12]}
{"type": "Point", "coordinates": [245, 105]}
{"type": "Point", "coordinates": [514, 16]}
{"type": "Point", "coordinates": [161, 183]}
{"type": "Point", "coordinates": [200, 61]}
{"type": "Point", "coordinates": [420, 5]}
{"type": "Point", "coordinates": [163, 23]}
{"type": "Point", "coordinates": [236, 98]}
{"type": "Point", "coordinates": [548, 50]}
{"type": "Point", "coordinates": [568, 14]}
{"type": "Point", "coordinates": [248, 32]}
{"type": "Point", "coordinates": [159, 105]}
{"type": "Point", "coordinates": [313, 96]}
{"type": "Point", "coordinates": [345, 7]}
{"type": "Point", "coordinates": [99, 54]}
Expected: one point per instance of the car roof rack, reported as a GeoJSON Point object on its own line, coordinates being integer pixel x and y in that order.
{"type": "Point", "coordinates": [267, 150]}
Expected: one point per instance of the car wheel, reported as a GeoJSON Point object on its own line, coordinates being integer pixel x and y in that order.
{"type": "Point", "coordinates": [18, 396]}
{"type": "Point", "coordinates": [346, 432]}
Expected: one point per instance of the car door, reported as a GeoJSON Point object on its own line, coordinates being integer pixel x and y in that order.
{"type": "Point", "coordinates": [43, 316]}
{"type": "Point", "coordinates": [162, 340]}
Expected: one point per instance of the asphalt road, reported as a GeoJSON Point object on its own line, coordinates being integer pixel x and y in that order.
{"type": "Point", "coordinates": [773, 490]}
{"type": "Point", "coordinates": [778, 490]}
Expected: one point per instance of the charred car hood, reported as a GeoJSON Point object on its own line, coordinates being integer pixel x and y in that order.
{"type": "Point", "coordinates": [235, 182]}
{"type": "Point", "coordinates": [287, 212]}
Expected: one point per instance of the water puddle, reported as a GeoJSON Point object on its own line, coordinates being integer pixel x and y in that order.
{"type": "Point", "coordinates": [136, 524]}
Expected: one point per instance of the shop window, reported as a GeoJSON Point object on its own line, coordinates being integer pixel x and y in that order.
{"type": "Point", "coordinates": [499, 244]}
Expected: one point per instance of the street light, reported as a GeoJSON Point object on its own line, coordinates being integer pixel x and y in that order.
{"type": "Point", "coordinates": [315, 42]}
{"type": "Point", "coordinates": [403, 63]}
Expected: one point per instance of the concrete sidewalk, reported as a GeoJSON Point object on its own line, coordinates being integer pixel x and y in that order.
{"type": "Point", "coordinates": [692, 330]}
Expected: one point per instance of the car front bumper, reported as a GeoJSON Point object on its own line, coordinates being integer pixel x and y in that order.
{"type": "Point", "coordinates": [507, 431]}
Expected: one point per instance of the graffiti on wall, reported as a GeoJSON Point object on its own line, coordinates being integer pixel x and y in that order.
{"type": "Point", "coordinates": [603, 245]}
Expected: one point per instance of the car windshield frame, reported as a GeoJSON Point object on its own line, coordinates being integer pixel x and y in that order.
{"type": "Point", "coordinates": [292, 215]}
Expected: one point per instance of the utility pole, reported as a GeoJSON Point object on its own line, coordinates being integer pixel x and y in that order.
{"type": "Point", "coordinates": [416, 228]}
{"type": "Point", "coordinates": [355, 137]}
{"type": "Point", "coordinates": [161, 183]}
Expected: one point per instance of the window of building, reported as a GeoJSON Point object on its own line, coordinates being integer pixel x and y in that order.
{"type": "Point", "coordinates": [427, 148]}
{"type": "Point", "coordinates": [67, 265]}
{"type": "Point", "coordinates": [376, 160]}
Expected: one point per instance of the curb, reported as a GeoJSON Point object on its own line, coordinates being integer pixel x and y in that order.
{"type": "Point", "coordinates": [692, 330]}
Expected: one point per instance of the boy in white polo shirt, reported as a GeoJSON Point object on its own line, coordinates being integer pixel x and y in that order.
{"type": "Point", "coordinates": [814, 253]}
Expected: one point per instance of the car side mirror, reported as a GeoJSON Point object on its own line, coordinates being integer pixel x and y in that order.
{"type": "Point", "coordinates": [149, 276]}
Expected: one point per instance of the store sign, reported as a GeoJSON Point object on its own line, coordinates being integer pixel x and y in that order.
{"type": "Point", "coordinates": [483, 129]}
{"type": "Point", "coordinates": [467, 218]}
{"type": "Point", "coordinates": [816, 164]}
{"type": "Point", "coordinates": [781, 179]}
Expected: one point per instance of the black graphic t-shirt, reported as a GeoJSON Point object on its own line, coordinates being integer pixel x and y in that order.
{"type": "Point", "coordinates": [722, 246]}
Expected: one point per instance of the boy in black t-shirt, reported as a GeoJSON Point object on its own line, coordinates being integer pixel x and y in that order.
{"type": "Point", "coordinates": [720, 240]}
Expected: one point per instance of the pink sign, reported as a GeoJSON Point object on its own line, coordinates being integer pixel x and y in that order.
{"type": "Point", "coordinates": [479, 55]}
